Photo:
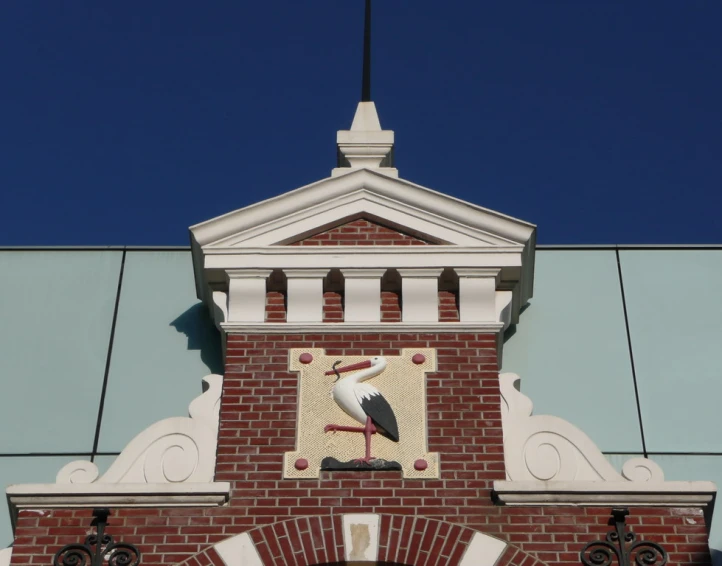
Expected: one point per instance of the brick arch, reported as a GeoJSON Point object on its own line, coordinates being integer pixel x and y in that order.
{"type": "Point", "coordinates": [209, 557]}
{"type": "Point", "coordinates": [327, 541]}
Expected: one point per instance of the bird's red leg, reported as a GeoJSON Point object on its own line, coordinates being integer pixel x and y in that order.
{"type": "Point", "coordinates": [335, 427]}
{"type": "Point", "coordinates": [369, 429]}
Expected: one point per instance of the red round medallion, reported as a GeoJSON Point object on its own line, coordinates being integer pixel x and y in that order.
{"type": "Point", "coordinates": [301, 463]}
{"type": "Point", "coordinates": [418, 359]}
{"type": "Point", "coordinates": [305, 358]}
{"type": "Point", "coordinates": [421, 464]}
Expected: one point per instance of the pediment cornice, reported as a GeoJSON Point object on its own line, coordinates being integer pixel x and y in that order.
{"type": "Point", "coordinates": [353, 194]}
{"type": "Point", "coordinates": [455, 235]}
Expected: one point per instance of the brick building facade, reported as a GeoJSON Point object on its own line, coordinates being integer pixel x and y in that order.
{"type": "Point", "coordinates": [361, 265]}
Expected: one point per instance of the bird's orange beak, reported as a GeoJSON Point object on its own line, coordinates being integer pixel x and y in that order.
{"type": "Point", "coordinates": [360, 365]}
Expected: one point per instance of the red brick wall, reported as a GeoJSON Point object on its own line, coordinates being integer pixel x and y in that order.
{"type": "Point", "coordinates": [258, 420]}
{"type": "Point", "coordinates": [390, 306]}
{"type": "Point", "coordinates": [448, 309]}
{"type": "Point", "coordinates": [538, 535]}
{"type": "Point", "coordinates": [275, 307]}
{"type": "Point", "coordinates": [332, 307]}
{"type": "Point", "coordinates": [361, 232]}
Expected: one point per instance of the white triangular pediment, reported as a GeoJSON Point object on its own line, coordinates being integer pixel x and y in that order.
{"type": "Point", "coordinates": [362, 203]}
{"type": "Point", "coordinates": [254, 243]}
{"type": "Point", "coordinates": [363, 193]}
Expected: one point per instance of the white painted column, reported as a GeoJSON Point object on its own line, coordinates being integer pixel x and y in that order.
{"type": "Point", "coordinates": [247, 294]}
{"type": "Point", "coordinates": [420, 294]}
{"type": "Point", "coordinates": [362, 295]}
{"type": "Point", "coordinates": [477, 294]}
{"type": "Point", "coordinates": [304, 294]}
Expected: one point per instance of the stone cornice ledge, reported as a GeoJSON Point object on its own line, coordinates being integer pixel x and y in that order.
{"type": "Point", "coordinates": [359, 327]}
{"type": "Point", "coordinates": [53, 495]}
{"type": "Point", "coordinates": [605, 493]}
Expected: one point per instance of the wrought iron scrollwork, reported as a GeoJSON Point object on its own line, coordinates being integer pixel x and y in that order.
{"type": "Point", "coordinates": [98, 548]}
{"type": "Point", "coordinates": [623, 546]}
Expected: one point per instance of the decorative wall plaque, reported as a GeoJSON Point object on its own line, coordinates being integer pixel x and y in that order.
{"type": "Point", "coordinates": [362, 413]}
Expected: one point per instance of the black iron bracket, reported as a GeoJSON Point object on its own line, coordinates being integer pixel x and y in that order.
{"type": "Point", "coordinates": [622, 545]}
{"type": "Point", "coordinates": [98, 548]}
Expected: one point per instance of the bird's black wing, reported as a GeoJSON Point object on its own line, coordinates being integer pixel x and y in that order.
{"type": "Point", "coordinates": [381, 413]}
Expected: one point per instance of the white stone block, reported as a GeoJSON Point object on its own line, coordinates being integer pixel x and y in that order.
{"type": "Point", "coordinates": [239, 551]}
{"type": "Point", "coordinates": [305, 294]}
{"type": "Point", "coordinates": [361, 537]}
{"type": "Point", "coordinates": [483, 550]}
{"type": "Point", "coordinates": [247, 295]}
{"type": "Point", "coordinates": [477, 294]}
{"type": "Point", "coordinates": [420, 295]}
{"type": "Point", "coordinates": [362, 295]}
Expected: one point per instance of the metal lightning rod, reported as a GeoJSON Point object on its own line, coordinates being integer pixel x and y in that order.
{"type": "Point", "coordinates": [366, 79]}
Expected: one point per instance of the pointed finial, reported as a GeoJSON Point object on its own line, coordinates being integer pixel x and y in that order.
{"type": "Point", "coordinates": [366, 78]}
{"type": "Point", "coordinates": [365, 145]}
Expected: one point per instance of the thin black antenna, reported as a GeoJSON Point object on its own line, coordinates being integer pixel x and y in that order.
{"type": "Point", "coordinates": [366, 80]}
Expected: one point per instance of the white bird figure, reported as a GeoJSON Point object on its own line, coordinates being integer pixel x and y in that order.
{"type": "Point", "coordinates": [364, 403]}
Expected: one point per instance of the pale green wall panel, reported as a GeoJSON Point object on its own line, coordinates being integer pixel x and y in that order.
{"type": "Point", "coordinates": [674, 302]}
{"type": "Point", "coordinates": [689, 468]}
{"type": "Point", "coordinates": [570, 348]}
{"type": "Point", "coordinates": [56, 312]}
{"type": "Point", "coordinates": [26, 469]}
{"type": "Point", "coordinates": [164, 344]}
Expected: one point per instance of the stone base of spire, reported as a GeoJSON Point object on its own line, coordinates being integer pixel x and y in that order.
{"type": "Point", "coordinates": [388, 171]}
{"type": "Point", "coordinates": [365, 145]}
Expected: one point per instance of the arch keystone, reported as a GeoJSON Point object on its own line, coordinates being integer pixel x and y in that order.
{"type": "Point", "coordinates": [483, 550]}
{"type": "Point", "coordinates": [361, 537]}
{"type": "Point", "coordinates": [238, 551]}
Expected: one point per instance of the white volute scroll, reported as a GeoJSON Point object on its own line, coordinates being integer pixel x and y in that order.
{"type": "Point", "coordinates": [174, 450]}
{"type": "Point", "coordinates": [549, 461]}
{"type": "Point", "coordinates": [547, 448]}
{"type": "Point", "coordinates": [169, 464]}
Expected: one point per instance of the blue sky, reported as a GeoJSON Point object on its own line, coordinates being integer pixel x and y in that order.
{"type": "Point", "coordinates": [125, 123]}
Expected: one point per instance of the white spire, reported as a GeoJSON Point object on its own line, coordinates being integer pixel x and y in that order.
{"type": "Point", "coordinates": [365, 145]}
{"type": "Point", "coordinates": [366, 119]}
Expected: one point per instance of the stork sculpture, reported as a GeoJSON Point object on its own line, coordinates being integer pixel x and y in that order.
{"type": "Point", "coordinates": [364, 403]}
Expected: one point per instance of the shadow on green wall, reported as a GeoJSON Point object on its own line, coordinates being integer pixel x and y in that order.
{"type": "Point", "coordinates": [202, 335]}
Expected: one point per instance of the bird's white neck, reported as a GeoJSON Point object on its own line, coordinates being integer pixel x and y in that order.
{"type": "Point", "coordinates": [368, 373]}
